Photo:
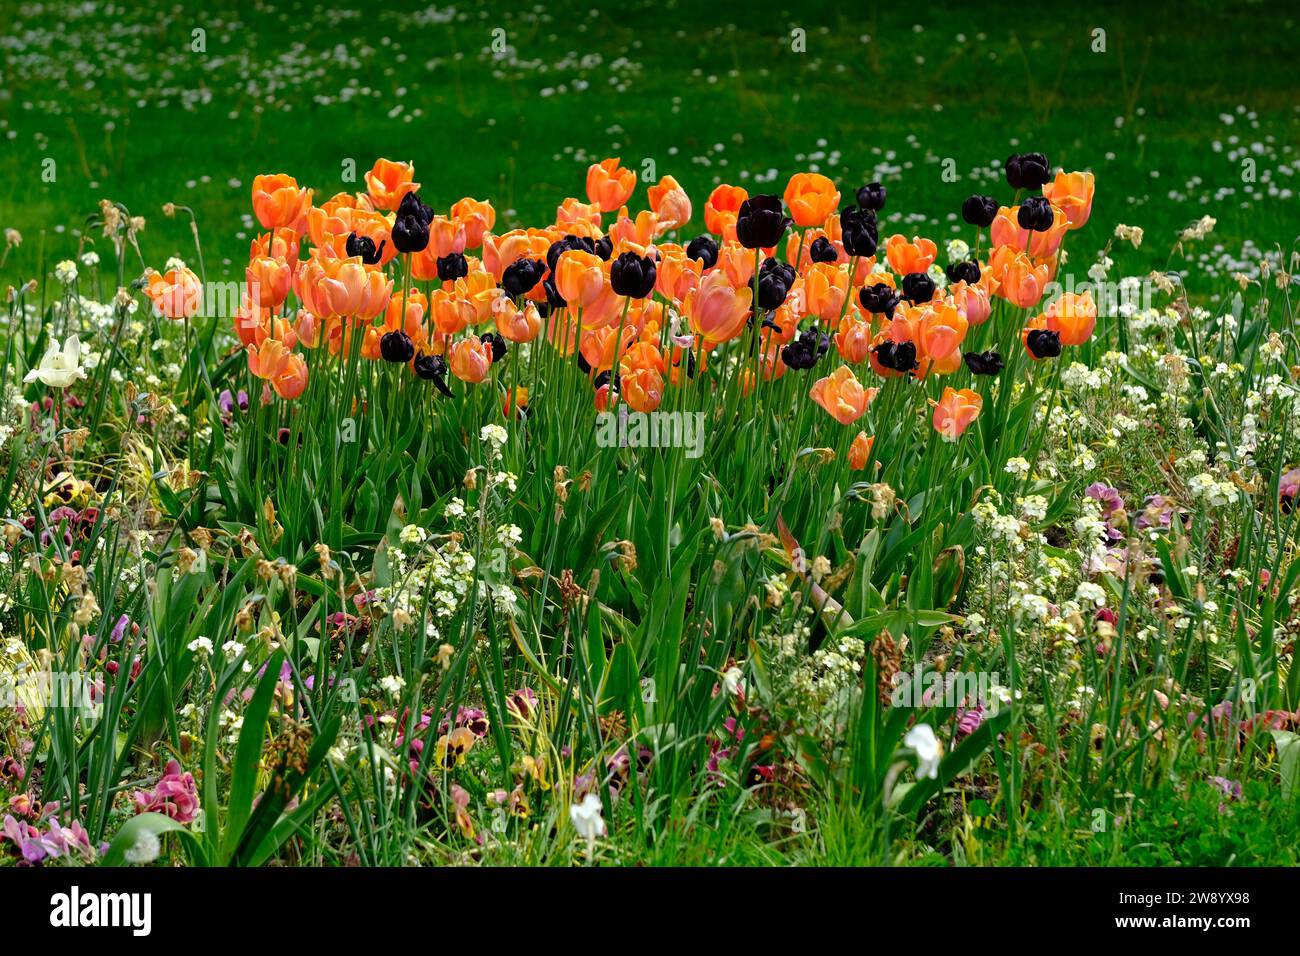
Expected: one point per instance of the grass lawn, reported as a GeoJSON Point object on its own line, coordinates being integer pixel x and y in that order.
{"type": "Point", "coordinates": [929, 101]}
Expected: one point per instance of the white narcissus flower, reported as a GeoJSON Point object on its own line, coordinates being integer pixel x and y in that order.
{"type": "Point", "coordinates": [586, 818]}
{"type": "Point", "coordinates": [922, 741]}
{"type": "Point", "coordinates": [59, 368]}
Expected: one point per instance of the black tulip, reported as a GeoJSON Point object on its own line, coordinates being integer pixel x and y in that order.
{"type": "Point", "coordinates": [498, 345]}
{"type": "Point", "coordinates": [560, 246]}
{"type": "Point", "coordinates": [872, 196]}
{"type": "Point", "coordinates": [967, 271]}
{"type": "Point", "coordinates": [412, 206]}
{"type": "Point", "coordinates": [396, 347]}
{"type": "Point", "coordinates": [1043, 343]}
{"type": "Point", "coordinates": [980, 211]}
{"type": "Point", "coordinates": [364, 247]}
{"type": "Point", "coordinates": [410, 233]}
{"type": "Point", "coordinates": [690, 363]}
{"type": "Point", "coordinates": [553, 297]}
{"type": "Point", "coordinates": [452, 267]}
{"type": "Point", "coordinates": [858, 231]}
{"type": "Point", "coordinates": [1027, 170]}
{"type": "Point", "coordinates": [705, 249]}
{"type": "Point", "coordinates": [821, 250]}
{"type": "Point", "coordinates": [439, 377]}
{"type": "Point", "coordinates": [984, 363]}
{"type": "Point", "coordinates": [899, 356]}
{"type": "Point", "coordinates": [521, 276]}
{"type": "Point", "coordinates": [583, 365]}
{"type": "Point", "coordinates": [761, 222]}
{"type": "Point", "coordinates": [604, 247]}
{"type": "Point", "coordinates": [799, 355]}
{"type": "Point", "coordinates": [918, 287]}
{"type": "Point", "coordinates": [1035, 213]}
{"type": "Point", "coordinates": [632, 275]}
{"type": "Point", "coordinates": [879, 299]}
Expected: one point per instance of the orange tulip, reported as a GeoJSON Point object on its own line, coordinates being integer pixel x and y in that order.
{"type": "Point", "coordinates": [955, 411]}
{"type": "Point", "coordinates": [598, 345]}
{"type": "Point", "coordinates": [331, 234]}
{"type": "Point", "coordinates": [470, 359]}
{"type": "Point", "coordinates": [406, 314]}
{"type": "Point", "coordinates": [853, 340]}
{"type": "Point", "coordinates": [343, 288]}
{"type": "Point", "coordinates": [670, 203]}
{"type": "Point", "coordinates": [388, 182]}
{"type": "Point", "coordinates": [721, 208]}
{"type": "Point", "coordinates": [940, 330]}
{"type": "Point", "coordinates": [477, 216]}
{"type": "Point", "coordinates": [642, 389]}
{"type": "Point", "coordinates": [737, 262]}
{"type": "Point", "coordinates": [479, 291]}
{"type": "Point", "coordinates": [177, 294]}
{"type": "Point", "coordinates": [842, 395]}
{"type": "Point", "coordinates": [907, 257]}
{"type": "Point", "coordinates": [268, 281]}
{"type": "Point", "coordinates": [579, 277]}
{"type": "Point", "coordinates": [516, 324]}
{"type": "Point", "coordinates": [1006, 231]}
{"type": "Point", "coordinates": [332, 217]}
{"type": "Point", "coordinates": [715, 310]}
{"type": "Point", "coordinates": [1021, 280]}
{"type": "Point", "coordinates": [860, 451]}
{"type": "Point", "coordinates": [307, 329]}
{"type": "Point", "coordinates": [278, 244]}
{"type": "Point", "coordinates": [251, 322]}
{"type": "Point", "coordinates": [639, 232]}
{"type": "Point", "coordinates": [609, 185]}
{"type": "Point", "coordinates": [1073, 317]}
{"type": "Point", "coordinates": [578, 217]}
{"type": "Point", "coordinates": [292, 378]}
{"type": "Point", "coordinates": [273, 362]}
{"type": "Point", "coordinates": [811, 198]}
{"type": "Point", "coordinates": [520, 402]}
{"type": "Point", "coordinates": [641, 355]}
{"type": "Point", "coordinates": [450, 312]}
{"type": "Point", "coordinates": [278, 202]}
{"type": "Point", "coordinates": [676, 274]}
{"type": "Point", "coordinates": [500, 252]}
{"type": "Point", "coordinates": [973, 300]}
{"type": "Point", "coordinates": [1072, 192]}
{"type": "Point", "coordinates": [825, 287]}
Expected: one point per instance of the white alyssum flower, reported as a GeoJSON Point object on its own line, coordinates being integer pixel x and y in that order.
{"type": "Point", "coordinates": [1017, 466]}
{"type": "Point", "coordinates": [392, 684]}
{"type": "Point", "coordinates": [66, 272]}
{"type": "Point", "coordinates": [413, 534]}
{"type": "Point", "coordinates": [1088, 593]}
{"type": "Point", "coordinates": [494, 435]}
{"type": "Point", "coordinates": [201, 645]}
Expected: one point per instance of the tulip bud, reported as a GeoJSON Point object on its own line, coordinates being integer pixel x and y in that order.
{"type": "Point", "coordinates": [980, 211]}
{"type": "Point", "coordinates": [872, 196]}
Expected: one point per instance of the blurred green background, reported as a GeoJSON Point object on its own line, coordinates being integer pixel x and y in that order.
{"type": "Point", "coordinates": [512, 101]}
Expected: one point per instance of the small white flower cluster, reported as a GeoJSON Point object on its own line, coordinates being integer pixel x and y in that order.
{"type": "Point", "coordinates": [1211, 491]}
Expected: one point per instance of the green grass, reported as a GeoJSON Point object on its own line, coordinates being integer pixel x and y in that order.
{"type": "Point", "coordinates": [148, 121]}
